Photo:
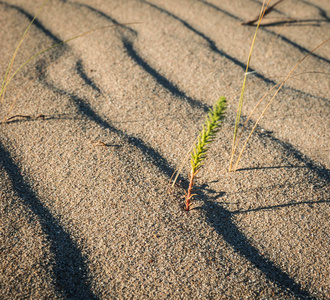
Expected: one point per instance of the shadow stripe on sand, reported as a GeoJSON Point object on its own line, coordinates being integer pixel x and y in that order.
{"type": "Point", "coordinates": [214, 48]}
{"type": "Point", "coordinates": [221, 220]}
{"type": "Point", "coordinates": [134, 55]}
{"type": "Point", "coordinates": [284, 38]}
{"type": "Point", "coordinates": [69, 265]}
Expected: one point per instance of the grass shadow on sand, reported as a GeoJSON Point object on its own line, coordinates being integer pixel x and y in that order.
{"type": "Point", "coordinates": [85, 110]}
{"type": "Point", "coordinates": [164, 82]}
{"type": "Point", "coordinates": [70, 268]}
{"type": "Point", "coordinates": [87, 81]}
{"type": "Point", "coordinates": [279, 206]}
{"type": "Point", "coordinates": [291, 152]}
{"type": "Point", "coordinates": [210, 42]}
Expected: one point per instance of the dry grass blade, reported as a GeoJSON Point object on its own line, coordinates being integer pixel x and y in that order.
{"type": "Point", "coordinates": [17, 117]}
{"type": "Point", "coordinates": [271, 100]}
{"type": "Point", "coordinates": [267, 11]}
{"type": "Point", "coordinates": [256, 106]}
{"type": "Point", "coordinates": [240, 104]}
{"type": "Point", "coordinates": [6, 80]}
{"type": "Point", "coordinates": [58, 44]}
{"type": "Point", "coordinates": [6, 118]}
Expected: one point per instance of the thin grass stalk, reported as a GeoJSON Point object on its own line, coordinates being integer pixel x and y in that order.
{"type": "Point", "coordinates": [256, 106]}
{"type": "Point", "coordinates": [271, 100]}
{"type": "Point", "coordinates": [181, 166]}
{"type": "Point", "coordinates": [5, 81]}
{"type": "Point", "coordinates": [179, 169]}
{"type": "Point", "coordinates": [8, 74]}
{"type": "Point", "coordinates": [58, 44]}
{"type": "Point", "coordinates": [240, 104]}
{"type": "Point", "coordinates": [23, 89]}
{"type": "Point", "coordinates": [244, 125]}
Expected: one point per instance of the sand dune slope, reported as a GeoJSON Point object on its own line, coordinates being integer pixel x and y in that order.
{"type": "Point", "coordinates": [86, 211]}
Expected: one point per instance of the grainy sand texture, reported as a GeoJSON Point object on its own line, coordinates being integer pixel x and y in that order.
{"type": "Point", "coordinates": [86, 157]}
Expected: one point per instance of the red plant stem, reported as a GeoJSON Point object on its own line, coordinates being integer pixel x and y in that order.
{"type": "Point", "coordinates": [188, 197]}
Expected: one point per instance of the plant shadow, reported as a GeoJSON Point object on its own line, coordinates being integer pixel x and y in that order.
{"type": "Point", "coordinates": [30, 118]}
{"type": "Point", "coordinates": [270, 167]}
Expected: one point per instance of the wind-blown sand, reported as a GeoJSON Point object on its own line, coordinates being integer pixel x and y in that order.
{"type": "Point", "coordinates": [86, 210]}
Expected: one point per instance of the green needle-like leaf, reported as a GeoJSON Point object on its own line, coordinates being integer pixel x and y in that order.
{"type": "Point", "coordinates": [208, 133]}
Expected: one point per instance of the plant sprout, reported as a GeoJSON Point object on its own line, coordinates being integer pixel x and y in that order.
{"type": "Point", "coordinates": [206, 136]}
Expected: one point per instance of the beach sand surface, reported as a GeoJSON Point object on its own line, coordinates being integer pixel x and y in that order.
{"type": "Point", "coordinates": [86, 158]}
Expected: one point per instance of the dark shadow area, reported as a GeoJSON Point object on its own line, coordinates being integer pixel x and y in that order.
{"type": "Point", "coordinates": [107, 17]}
{"type": "Point", "coordinates": [287, 21]}
{"type": "Point", "coordinates": [323, 14]}
{"type": "Point", "coordinates": [217, 8]}
{"type": "Point", "coordinates": [161, 80]}
{"type": "Point", "coordinates": [221, 220]}
{"type": "Point", "coordinates": [84, 109]}
{"type": "Point", "coordinates": [321, 171]}
{"type": "Point", "coordinates": [133, 54]}
{"type": "Point", "coordinates": [285, 39]}
{"type": "Point", "coordinates": [274, 167]}
{"type": "Point", "coordinates": [217, 216]}
{"type": "Point", "coordinates": [70, 271]}
{"type": "Point", "coordinates": [302, 49]}
{"type": "Point", "coordinates": [39, 26]}
{"type": "Point", "coordinates": [214, 48]}
{"type": "Point", "coordinates": [288, 151]}
{"type": "Point", "coordinates": [211, 43]}
{"type": "Point", "coordinates": [88, 81]}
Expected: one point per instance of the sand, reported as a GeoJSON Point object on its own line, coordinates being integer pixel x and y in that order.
{"type": "Point", "coordinates": [86, 210]}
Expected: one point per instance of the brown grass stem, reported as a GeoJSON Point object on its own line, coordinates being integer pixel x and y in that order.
{"type": "Point", "coordinates": [189, 194]}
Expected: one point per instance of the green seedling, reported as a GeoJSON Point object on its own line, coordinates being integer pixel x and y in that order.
{"type": "Point", "coordinates": [206, 136]}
